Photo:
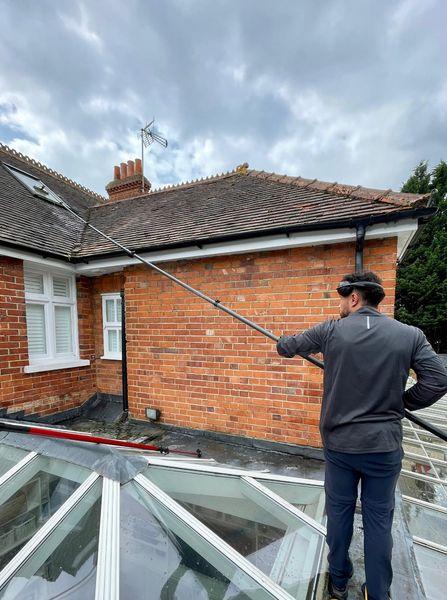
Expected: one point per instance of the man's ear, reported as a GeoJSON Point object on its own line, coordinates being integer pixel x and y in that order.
{"type": "Point", "coordinates": [355, 298]}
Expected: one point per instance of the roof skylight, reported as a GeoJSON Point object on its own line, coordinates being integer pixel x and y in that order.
{"type": "Point", "coordinates": [34, 185]}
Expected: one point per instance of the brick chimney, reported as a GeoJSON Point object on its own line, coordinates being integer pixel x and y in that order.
{"type": "Point", "coordinates": [126, 181]}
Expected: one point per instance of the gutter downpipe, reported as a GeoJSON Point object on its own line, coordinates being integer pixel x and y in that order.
{"type": "Point", "coordinates": [124, 355]}
{"type": "Point", "coordinates": [359, 245]}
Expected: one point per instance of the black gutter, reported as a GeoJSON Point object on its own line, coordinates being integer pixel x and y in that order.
{"type": "Point", "coordinates": [420, 213]}
{"type": "Point", "coordinates": [352, 223]}
{"type": "Point", "coordinates": [359, 245]}
{"type": "Point", "coordinates": [124, 354]}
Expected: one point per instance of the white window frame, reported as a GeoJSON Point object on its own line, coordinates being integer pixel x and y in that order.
{"type": "Point", "coordinates": [108, 326]}
{"type": "Point", "coordinates": [53, 360]}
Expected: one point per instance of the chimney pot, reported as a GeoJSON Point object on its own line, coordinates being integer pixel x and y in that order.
{"type": "Point", "coordinates": [123, 170]}
{"type": "Point", "coordinates": [116, 172]}
{"type": "Point", "coordinates": [138, 165]}
{"type": "Point", "coordinates": [130, 168]}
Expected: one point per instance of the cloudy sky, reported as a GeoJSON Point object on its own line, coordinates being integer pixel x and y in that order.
{"type": "Point", "coordinates": [353, 91]}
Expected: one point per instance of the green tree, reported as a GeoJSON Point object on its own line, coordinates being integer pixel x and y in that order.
{"type": "Point", "coordinates": [421, 293]}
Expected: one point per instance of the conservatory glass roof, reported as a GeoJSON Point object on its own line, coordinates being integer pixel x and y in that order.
{"type": "Point", "coordinates": [423, 483]}
{"type": "Point", "coordinates": [105, 524]}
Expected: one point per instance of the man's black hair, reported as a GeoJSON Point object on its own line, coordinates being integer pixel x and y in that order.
{"type": "Point", "coordinates": [370, 296]}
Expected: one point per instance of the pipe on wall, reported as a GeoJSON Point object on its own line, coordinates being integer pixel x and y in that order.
{"type": "Point", "coordinates": [359, 245]}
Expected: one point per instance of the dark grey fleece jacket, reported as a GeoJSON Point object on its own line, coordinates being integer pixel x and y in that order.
{"type": "Point", "coordinates": [367, 358]}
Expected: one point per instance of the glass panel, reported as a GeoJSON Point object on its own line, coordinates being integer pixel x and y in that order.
{"type": "Point", "coordinates": [33, 283]}
{"type": "Point", "coordinates": [36, 186]}
{"type": "Point", "coordinates": [428, 491]}
{"type": "Point", "coordinates": [9, 457]}
{"type": "Point", "coordinates": [112, 336]}
{"type": "Point", "coordinates": [118, 310]}
{"type": "Point", "coordinates": [426, 523]}
{"type": "Point", "coordinates": [161, 557]}
{"type": "Point", "coordinates": [439, 453]}
{"type": "Point", "coordinates": [423, 467]}
{"type": "Point", "coordinates": [110, 311]}
{"type": "Point", "coordinates": [61, 287]}
{"type": "Point", "coordinates": [35, 324]}
{"type": "Point", "coordinates": [308, 498]}
{"type": "Point", "coordinates": [29, 499]}
{"type": "Point", "coordinates": [64, 565]}
{"type": "Point", "coordinates": [276, 542]}
{"type": "Point", "coordinates": [64, 337]}
{"type": "Point", "coordinates": [433, 567]}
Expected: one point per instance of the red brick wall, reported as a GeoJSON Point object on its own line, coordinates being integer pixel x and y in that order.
{"type": "Point", "coordinates": [47, 392]}
{"type": "Point", "coordinates": [108, 372]}
{"type": "Point", "coordinates": [204, 370]}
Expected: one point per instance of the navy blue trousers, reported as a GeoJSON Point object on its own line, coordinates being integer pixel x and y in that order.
{"type": "Point", "coordinates": [378, 474]}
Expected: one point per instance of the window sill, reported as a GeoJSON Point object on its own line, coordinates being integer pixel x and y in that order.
{"type": "Point", "coordinates": [111, 357]}
{"type": "Point", "coordinates": [56, 365]}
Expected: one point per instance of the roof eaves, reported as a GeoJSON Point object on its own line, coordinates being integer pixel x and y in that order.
{"type": "Point", "coordinates": [351, 222]}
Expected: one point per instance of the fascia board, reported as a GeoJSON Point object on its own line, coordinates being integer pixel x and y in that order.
{"type": "Point", "coordinates": [403, 230]}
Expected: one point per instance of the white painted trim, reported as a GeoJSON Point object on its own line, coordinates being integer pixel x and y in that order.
{"type": "Point", "coordinates": [19, 559]}
{"type": "Point", "coordinates": [110, 326]}
{"type": "Point", "coordinates": [55, 365]}
{"type": "Point", "coordinates": [200, 468]}
{"type": "Point", "coordinates": [53, 361]}
{"type": "Point", "coordinates": [17, 467]}
{"type": "Point", "coordinates": [212, 539]}
{"type": "Point", "coordinates": [403, 230]}
{"type": "Point", "coordinates": [107, 574]}
{"type": "Point", "coordinates": [429, 544]}
{"type": "Point", "coordinates": [435, 507]}
{"type": "Point", "coordinates": [414, 475]}
{"type": "Point", "coordinates": [426, 459]}
{"type": "Point", "coordinates": [36, 259]}
{"type": "Point", "coordinates": [283, 504]}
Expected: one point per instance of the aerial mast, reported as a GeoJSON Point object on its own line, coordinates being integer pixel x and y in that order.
{"type": "Point", "coordinates": [149, 136]}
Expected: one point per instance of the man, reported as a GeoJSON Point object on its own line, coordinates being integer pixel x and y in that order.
{"type": "Point", "coordinates": [367, 358]}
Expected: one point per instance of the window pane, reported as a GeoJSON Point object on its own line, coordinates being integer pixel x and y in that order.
{"type": "Point", "coordinates": [426, 522]}
{"type": "Point", "coordinates": [110, 311]}
{"type": "Point", "coordinates": [307, 498]}
{"type": "Point", "coordinates": [433, 567]}
{"type": "Point", "coordinates": [10, 456]}
{"type": "Point", "coordinates": [428, 491]}
{"type": "Point", "coordinates": [278, 543]}
{"type": "Point", "coordinates": [29, 499]}
{"type": "Point", "coordinates": [62, 319]}
{"type": "Point", "coordinates": [35, 323]}
{"type": "Point", "coordinates": [64, 566]}
{"type": "Point", "coordinates": [61, 287]}
{"type": "Point", "coordinates": [33, 283]}
{"type": "Point", "coordinates": [112, 336]}
{"type": "Point", "coordinates": [118, 310]}
{"type": "Point", "coordinates": [161, 557]}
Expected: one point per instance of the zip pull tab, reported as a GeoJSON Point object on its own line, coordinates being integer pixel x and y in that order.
{"type": "Point", "coordinates": [368, 326]}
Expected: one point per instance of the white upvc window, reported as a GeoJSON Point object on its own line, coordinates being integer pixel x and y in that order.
{"type": "Point", "coordinates": [111, 320]}
{"type": "Point", "coordinates": [51, 320]}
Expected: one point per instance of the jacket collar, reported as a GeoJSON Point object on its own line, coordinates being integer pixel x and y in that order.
{"type": "Point", "coordinates": [368, 311]}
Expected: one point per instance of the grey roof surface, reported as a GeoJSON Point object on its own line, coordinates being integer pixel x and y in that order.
{"type": "Point", "coordinates": [237, 204]}
{"type": "Point", "coordinates": [28, 221]}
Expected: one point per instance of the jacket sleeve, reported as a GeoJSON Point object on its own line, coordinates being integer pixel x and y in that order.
{"type": "Point", "coordinates": [310, 341]}
{"type": "Point", "coordinates": [431, 376]}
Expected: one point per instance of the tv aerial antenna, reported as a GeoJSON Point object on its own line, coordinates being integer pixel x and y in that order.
{"type": "Point", "coordinates": [149, 136]}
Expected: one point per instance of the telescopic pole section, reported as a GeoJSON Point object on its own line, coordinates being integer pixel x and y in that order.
{"type": "Point", "coordinates": [216, 303]}
{"type": "Point", "coordinates": [76, 436]}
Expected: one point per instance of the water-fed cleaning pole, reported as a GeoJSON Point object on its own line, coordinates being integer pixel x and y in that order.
{"type": "Point", "coordinates": [217, 303]}
{"type": "Point", "coordinates": [76, 436]}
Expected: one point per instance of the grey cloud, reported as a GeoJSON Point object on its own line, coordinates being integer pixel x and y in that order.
{"type": "Point", "coordinates": [343, 91]}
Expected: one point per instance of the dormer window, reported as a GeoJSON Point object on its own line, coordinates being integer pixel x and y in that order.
{"type": "Point", "coordinates": [34, 185]}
